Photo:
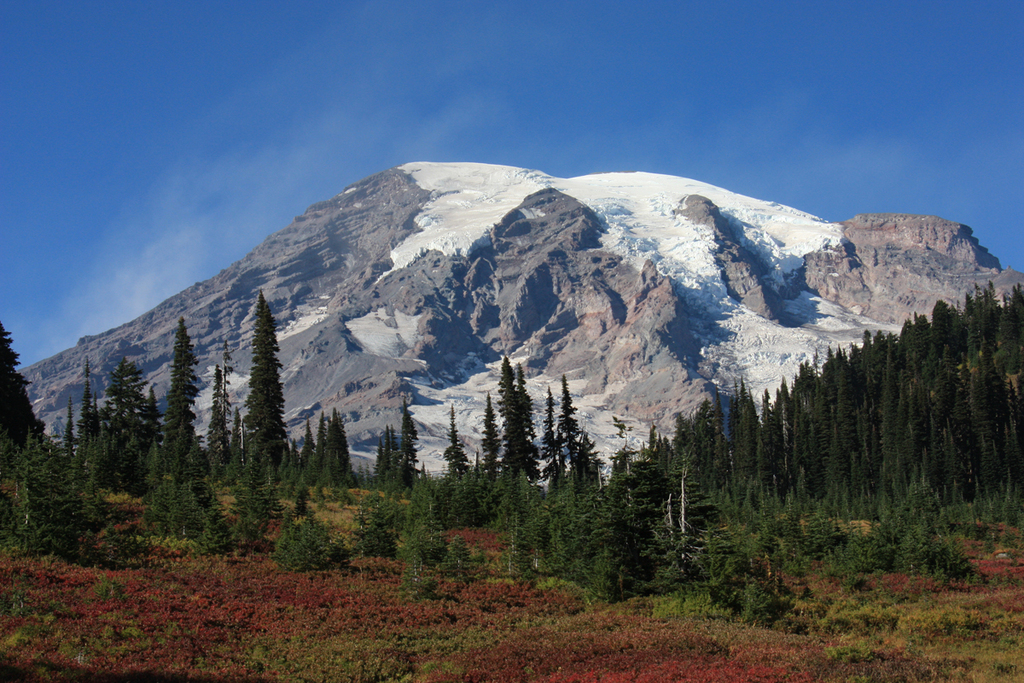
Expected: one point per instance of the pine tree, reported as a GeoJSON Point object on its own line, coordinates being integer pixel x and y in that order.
{"type": "Point", "coordinates": [88, 415]}
{"type": "Point", "coordinates": [179, 419]}
{"type": "Point", "coordinates": [491, 442]}
{"type": "Point", "coordinates": [256, 503]}
{"type": "Point", "coordinates": [568, 433]}
{"type": "Point", "coordinates": [49, 513]}
{"type": "Point", "coordinates": [337, 460]}
{"type": "Point", "coordinates": [316, 465]}
{"type": "Point", "coordinates": [218, 435]}
{"type": "Point", "coordinates": [520, 453]}
{"type": "Point", "coordinates": [551, 449]}
{"type": "Point", "coordinates": [16, 416]}
{"type": "Point", "coordinates": [408, 459]}
{"type": "Point", "coordinates": [455, 454]}
{"type": "Point", "coordinates": [308, 451]}
{"type": "Point", "coordinates": [69, 431]}
{"type": "Point", "coordinates": [123, 424]}
{"type": "Point", "coordinates": [264, 421]}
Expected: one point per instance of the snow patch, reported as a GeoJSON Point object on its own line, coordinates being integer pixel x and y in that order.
{"type": "Point", "coordinates": [307, 315]}
{"type": "Point", "coordinates": [386, 334]}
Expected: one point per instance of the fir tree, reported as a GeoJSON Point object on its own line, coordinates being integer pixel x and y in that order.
{"type": "Point", "coordinates": [520, 453]}
{"type": "Point", "coordinates": [49, 512]}
{"type": "Point", "coordinates": [123, 424]}
{"type": "Point", "coordinates": [215, 538]}
{"type": "Point", "coordinates": [337, 465]}
{"type": "Point", "coordinates": [16, 416]}
{"type": "Point", "coordinates": [455, 454]}
{"type": "Point", "coordinates": [88, 415]}
{"type": "Point", "coordinates": [218, 434]}
{"type": "Point", "coordinates": [306, 544]}
{"type": "Point", "coordinates": [264, 421]}
{"type": "Point", "coordinates": [568, 430]}
{"type": "Point", "coordinates": [69, 431]}
{"type": "Point", "coordinates": [319, 457]}
{"type": "Point", "coordinates": [408, 458]}
{"type": "Point", "coordinates": [491, 442]}
{"type": "Point", "coordinates": [256, 503]}
{"type": "Point", "coordinates": [308, 451]}
{"type": "Point", "coordinates": [376, 535]}
{"type": "Point", "coordinates": [179, 419]}
{"type": "Point", "coordinates": [551, 449]}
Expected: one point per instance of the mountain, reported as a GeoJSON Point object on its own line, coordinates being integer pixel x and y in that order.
{"type": "Point", "coordinates": [647, 291]}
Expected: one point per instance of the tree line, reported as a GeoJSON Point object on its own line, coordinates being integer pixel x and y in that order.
{"type": "Point", "coordinates": [913, 434]}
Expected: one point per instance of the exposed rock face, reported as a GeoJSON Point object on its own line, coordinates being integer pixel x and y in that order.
{"type": "Point", "coordinates": [359, 335]}
{"type": "Point", "coordinates": [895, 265]}
{"type": "Point", "coordinates": [743, 273]}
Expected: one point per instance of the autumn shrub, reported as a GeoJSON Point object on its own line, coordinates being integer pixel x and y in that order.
{"type": "Point", "coordinates": [858, 652]}
{"type": "Point", "coordinates": [858, 618]}
{"type": "Point", "coordinates": [688, 604]}
{"type": "Point", "coordinates": [943, 622]}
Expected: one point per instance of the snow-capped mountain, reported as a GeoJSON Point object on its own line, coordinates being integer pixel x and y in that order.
{"type": "Point", "coordinates": [646, 291]}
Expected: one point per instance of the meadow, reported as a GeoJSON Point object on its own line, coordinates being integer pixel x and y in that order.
{"type": "Point", "coordinates": [173, 615]}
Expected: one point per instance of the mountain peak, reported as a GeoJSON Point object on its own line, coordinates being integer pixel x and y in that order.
{"type": "Point", "coordinates": [646, 291]}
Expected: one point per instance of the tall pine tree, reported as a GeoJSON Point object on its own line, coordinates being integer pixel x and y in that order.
{"type": "Point", "coordinates": [179, 419]}
{"type": "Point", "coordinates": [264, 420]}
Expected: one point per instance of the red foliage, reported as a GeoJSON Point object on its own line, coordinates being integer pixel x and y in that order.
{"type": "Point", "coordinates": [486, 541]}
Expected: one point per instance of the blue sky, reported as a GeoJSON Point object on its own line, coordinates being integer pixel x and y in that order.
{"type": "Point", "coordinates": [146, 146]}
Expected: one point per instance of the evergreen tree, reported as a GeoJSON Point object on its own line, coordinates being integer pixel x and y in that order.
{"type": "Point", "coordinates": [319, 457]}
{"type": "Point", "coordinates": [215, 538]}
{"type": "Point", "coordinates": [408, 458]}
{"type": "Point", "coordinates": [238, 459]}
{"type": "Point", "coordinates": [520, 453]}
{"type": "Point", "coordinates": [256, 503]}
{"type": "Point", "coordinates": [376, 535]}
{"type": "Point", "coordinates": [568, 430]}
{"type": "Point", "coordinates": [264, 420]}
{"type": "Point", "coordinates": [123, 420]}
{"type": "Point", "coordinates": [218, 434]}
{"type": "Point", "coordinates": [88, 415]}
{"type": "Point", "coordinates": [632, 532]}
{"type": "Point", "coordinates": [16, 416]}
{"type": "Point", "coordinates": [308, 451]}
{"type": "Point", "coordinates": [49, 511]}
{"type": "Point", "coordinates": [455, 454]}
{"type": "Point", "coordinates": [551, 449]}
{"type": "Point", "coordinates": [306, 544]}
{"type": "Point", "coordinates": [491, 442]}
{"type": "Point", "coordinates": [151, 420]}
{"type": "Point", "coordinates": [69, 431]}
{"type": "Point", "coordinates": [337, 460]}
{"type": "Point", "coordinates": [179, 419]}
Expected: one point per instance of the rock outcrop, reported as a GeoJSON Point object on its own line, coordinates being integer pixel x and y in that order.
{"type": "Point", "coordinates": [894, 265]}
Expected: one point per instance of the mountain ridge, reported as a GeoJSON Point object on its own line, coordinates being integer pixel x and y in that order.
{"type": "Point", "coordinates": [646, 291]}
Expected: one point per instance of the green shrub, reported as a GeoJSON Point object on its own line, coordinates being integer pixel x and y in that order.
{"type": "Point", "coordinates": [850, 654]}
{"type": "Point", "coordinates": [306, 545]}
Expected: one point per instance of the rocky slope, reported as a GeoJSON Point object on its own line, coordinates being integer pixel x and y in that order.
{"type": "Point", "coordinates": [645, 291]}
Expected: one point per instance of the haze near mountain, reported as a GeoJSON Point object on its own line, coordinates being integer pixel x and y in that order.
{"type": "Point", "coordinates": [646, 291]}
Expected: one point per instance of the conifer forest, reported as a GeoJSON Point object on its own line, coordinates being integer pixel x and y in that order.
{"type": "Point", "coordinates": [862, 523]}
